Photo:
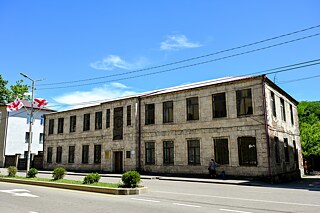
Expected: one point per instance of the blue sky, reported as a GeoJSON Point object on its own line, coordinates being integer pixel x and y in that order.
{"type": "Point", "coordinates": [74, 40]}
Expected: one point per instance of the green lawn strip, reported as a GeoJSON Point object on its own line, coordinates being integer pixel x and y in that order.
{"type": "Point", "coordinates": [77, 182]}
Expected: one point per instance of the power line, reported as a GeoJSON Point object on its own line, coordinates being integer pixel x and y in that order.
{"type": "Point", "coordinates": [299, 79]}
{"type": "Point", "coordinates": [186, 60]}
{"type": "Point", "coordinates": [187, 66]}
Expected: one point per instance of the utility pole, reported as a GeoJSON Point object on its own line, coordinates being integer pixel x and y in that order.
{"type": "Point", "coordinates": [31, 122]}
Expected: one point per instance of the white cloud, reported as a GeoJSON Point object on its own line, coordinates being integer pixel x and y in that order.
{"type": "Point", "coordinates": [114, 61]}
{"type": "Point", "coordinates": [80, 99]}
{"type": "Point", "coordinates": [177, 42]}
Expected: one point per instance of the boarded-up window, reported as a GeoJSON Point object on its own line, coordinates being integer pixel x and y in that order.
{"type": "Point", "coordinates": [221, 151]}
{"type": "Point", "coordinates": [168, 112]}
{"type": "Point", "coordinates": [192, 108]}
{"type": "Point", "coordinates": [118, 123]}
{"type": "Point", "coordinates": [168, 152]}
{"type": "Point", "coordinates": [73, 123]}
{"type": "Point", "coordinates": [149, 114]}
{"type": "Point", "coordinates": [193, 152]}
{"type": "Point", "coordinates": [219, 109]}
{"type": "Point", "coordinates": [244, 102]}
{"type": "Point", "coordinates": [150, 153]}
{"type": "Point", "coordinates": [98, 120]}
{"type": "Point", "coordinates": [86, 122]}
{"type": "Point", "coordinates": [247, 151]}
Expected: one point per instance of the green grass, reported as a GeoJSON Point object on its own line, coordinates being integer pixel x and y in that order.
{"type": "Point", "coordinates": [77, 182]}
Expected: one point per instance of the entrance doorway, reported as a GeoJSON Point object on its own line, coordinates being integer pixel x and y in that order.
{"type": "Point", "coordinates": [118, 162]}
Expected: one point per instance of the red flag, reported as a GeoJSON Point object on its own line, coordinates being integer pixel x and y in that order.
{"type": "Point", "coordinates": [16, 105]}
{"type": "Point", "coordinates": [40, 102]}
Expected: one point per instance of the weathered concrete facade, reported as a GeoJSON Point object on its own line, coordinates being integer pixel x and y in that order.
{"type": "Point", "coordinates": [240, 134]}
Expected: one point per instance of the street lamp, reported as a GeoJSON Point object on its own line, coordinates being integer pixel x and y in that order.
{"type": "Point", "coordinates": [31, 122]}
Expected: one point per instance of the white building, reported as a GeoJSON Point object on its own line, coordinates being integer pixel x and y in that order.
{"type": "Point", "coordinates": [14, 131]}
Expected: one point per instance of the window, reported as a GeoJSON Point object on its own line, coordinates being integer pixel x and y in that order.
{"type": "Point", "coordinates": [71, 154]}
{"type": "Point", "coordinates": [108, 119]}
{"type": "Point", "coordinates": [286, 150]}
{"type": "Point", "coordinates": [59, 154]}
{"type": "Point", "coordinates": [221, 151]}
{"type": "Point", "coordinates": [247, 151]}
{"type": "Point", "coordinates": [73, 123]}
{"type": "Point", "coordinates": [192, 109]}
{"type": "Point", "coordinates": [149, 114]}
{"type": "Point", "coordinates": [85, 154]}
{"type": "Point", "coordinates": [41, 137]}
{"type": "Point", "coordinates": [86, 122]}
{"type": "Point", "coordinates": [273, 104]}
{"type": "Point", "coordinates": [276, 146]}
{"type": "Point", "coordinates": [168, 152]}
{"type": "Point", "coordinates": [28, 119]}
{"type": "Point", "coordinates": [49, 155]}
{"type": "Point", "coordinates": [244, 102]}
{"type": "Point", "coordinates": [27, 137]}
{"type": "Point", "coordinates": [60, 125]}
{"type": "Point", "coordinates": [291, 114]}
{"type": "Point", "coordinates": [282, 110]}
{"type": "Point", "coordinates": [51, 126]}
{"type": "Point", "coordinates": [193, 152]}
{"type": "Point", "coordinates": [128, 154]}
{"type": "Point", "coordinates": [41, 120]}
{"type": "Point", "coordinates": [98, 120]}
{"type": "Point", "coordinates": [219, 108]}
{"type": "Point", "coordinates": [97, 153]}
{"type": "Point", "coordinates": [129, 115]}
{"type": "Point", "coordinates": [168, 112]}
{"type": "Point", "coordinates": [295, 151]}
{"type": "Point", "coordinates": [118, 123]}
{"type": "Point", "coordinates": [150, 153]}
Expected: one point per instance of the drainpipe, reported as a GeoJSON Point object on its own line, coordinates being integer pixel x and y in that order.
{"type": "Point", "coordinates": [139, 134]}
{"type": "Point", "coordinates": [266, 122]}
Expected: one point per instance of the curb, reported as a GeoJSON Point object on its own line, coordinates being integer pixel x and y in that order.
{"type": "Point", "coordinates": [104, 190]}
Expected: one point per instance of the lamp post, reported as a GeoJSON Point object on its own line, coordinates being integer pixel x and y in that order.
{"type": "Point", "coordinates": [31, 122]}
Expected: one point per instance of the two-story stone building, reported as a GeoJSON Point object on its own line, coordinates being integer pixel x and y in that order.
{"type": "Point", "coordinates": [248, 124]}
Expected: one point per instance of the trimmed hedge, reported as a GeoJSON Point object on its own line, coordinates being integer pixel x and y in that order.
{"type": "Point", "coordinates": [131, 179]}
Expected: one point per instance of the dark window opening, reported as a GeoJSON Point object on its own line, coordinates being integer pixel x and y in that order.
{"type": "Point", "coordinates": [150, 153]}
{"type": "Point", "coordinates": [168, 152]}
{"type": "Point", "coordinates": [51, 126]}
{"type": "Point", "coordinates": [282, 109]}
{"type": "Point", "coordinates": [59, 154]}
{"type": "Point", "coordinates": [60, 125]}
{"type": "Point", "coordinates": [98, 120]}
{"type": "Point", "coordinates": [108, 119]}
{"type": "Point", "coordinates": [71, 154]}
{"type": "Point", "coordinates": [73, 123]}
{"type": "Point", "coordinates": [149, 114]}
{"type": "Point", "coordinates": [219, 108]}
{"type": "Point", "coordinates": [273, 104]}
{"type": "Point", "coordinates": [85, 154]}
{"type": "Point", "coordinates": [291, 115]}
{"type": "Point", "coordinates": [168, 112]}
{"type": "Point", "coordinates": [118, 123]}
{"type": "Point", "coordinates": [193, 152]}
{"type": "Point", "coordinates": [244, 102]}
{"type": "Point", "coordinates": [221, 151]}
{"type": "Point", "coordinates": [286, 150]}
{"type": "Point", "coordinates": [86, 122]}
{"type": "Point", "coordinates": [128, 154]}
{"type": "Point", "coordinates": [192, 109]}
{"type": "Point", "coordinates": [129, 115]}
{"type": "Point", "coordinates": [247, 151]}
{"type": "Point", "coordinates": [276, 146]}
{"type": "Point", "coordinates": [97, 153]}
{"type": "Point", "coordinates": [49, 155]}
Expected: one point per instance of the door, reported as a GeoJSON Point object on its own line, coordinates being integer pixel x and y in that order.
{"type": "Point", "coordinates": [118, 166]}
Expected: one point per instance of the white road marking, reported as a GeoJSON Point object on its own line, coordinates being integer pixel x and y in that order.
{"type": "Point", "coordinates": [230, 210]}
{"type": "Point", "coordinates": [32, 212]}
{"type": "Point", "coordinates": [243, 199]}
{"type": "Point", "coordinates": [188, 205]}
{"type": "Point", "coordinates": [153, 201]}
{"type": "Point", "coordinates": [19, 193]}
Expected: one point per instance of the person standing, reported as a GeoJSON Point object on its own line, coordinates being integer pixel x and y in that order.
{"type": "Point", "coordinates": [212, 168]}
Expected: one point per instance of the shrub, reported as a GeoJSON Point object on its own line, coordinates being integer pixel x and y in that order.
{"type": "Point", "coordinates": [131, 179]}
{"type": "Point", "coordinates": [12, 171]}
{"type": "Point", "coordinates": [91, 178]}
{"type": "Point", "coordinates": [58, 173]}
{"type": "Point", "coordinates": [32, 173]}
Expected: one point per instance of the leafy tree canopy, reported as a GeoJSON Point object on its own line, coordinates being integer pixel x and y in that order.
{"type": "Point", "coordinates": [8, 95]}
{"type": "Point", "coordinates": [309, 120]}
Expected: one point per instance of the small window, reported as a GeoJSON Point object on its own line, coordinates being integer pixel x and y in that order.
{"type": "Point", "coordinates": [168, 152]}
{"type": "Point", "coordinates": [41, 137]}
{"type": "Point", "coordinates": [168, 112]}
{"type": "Point", "coordinates": [60, 125]}
{"type": "Point", "coordinates": [286, 150]}
{"type": "Point", "coordinates": [247, 151]}
{"type": "Point", "coordinates": [193, 152]}
{"type": "Point", "coordinates": [221, 151]}
{"type": "Point", "coordinates": [192, 109]}
{"type": "Point", "coordinates": [276, 146]}
{"type": "Point", "coordinates": [291, 115]}
{"type": "Point", "coordinates": [49, 155]}
{"type": "Point", "coordinates": [97, 153]}
{"type": "Point", "coordinates": [219, 108]}
{"type": "Point", "coordinates": [108, 119]}
{"type": "Point", "coordinates": [149, 114]}
{"type": "Point", "coordinates": [51, 126]}
{"type": "Point", "coordinates": [118, 123]}
{"type": "Point", "coordinates": [86, 122]}
{"type": "Point", "coordinates": [73, 123]}
{"type": "Point", "coordinates": [129, 115]}
{"type": "Point", "coordinates": [244, 102]}
{"type": "Point", "coordinates": [150, 153]}
{"type": "Point", "coordinates": [98, 120]}
{"type": "Point", "coordinates": [295, 151]}
{"type": "Point", "coordinates": [85, 154]}
{"type": "Point", "coordinates": [282, 110]}
{"type": "Point", "coordinates": [128, 154]}
{"type": "Point", "coordinates": [27, 137]}
{"type": "Point", "coordinates": [273, 104]}
{"type": "Point", "coordinates": [59, 154]}
{"type": "Point", "coordinates": [71, 154]}
{"type": "Point", "coordinates": [41, 120]}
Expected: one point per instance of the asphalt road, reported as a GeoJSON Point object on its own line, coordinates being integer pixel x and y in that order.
{"type": "Point", "coordinates": [163, 196]}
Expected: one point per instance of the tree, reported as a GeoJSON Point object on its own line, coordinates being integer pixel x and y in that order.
{"type": "Point", "coordinates": [8, 95]}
